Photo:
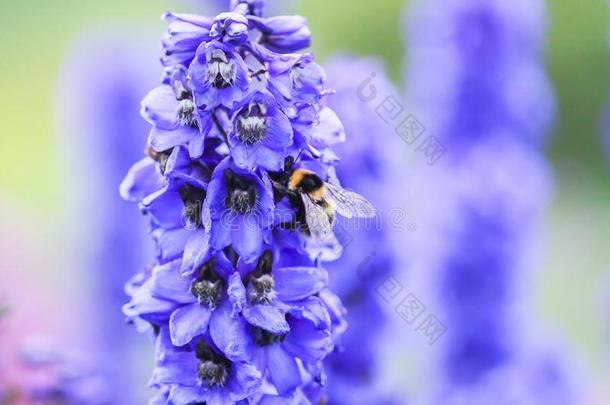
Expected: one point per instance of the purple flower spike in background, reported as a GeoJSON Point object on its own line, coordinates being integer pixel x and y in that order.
{"type": "Point", "coordinates": [473, 62]}
{"type": "Point", "coordinates": [373, 163]}
{"type": "Point", "coordinates": [240, 190]}
{"type": "Point", "coordinates": [97, 122]}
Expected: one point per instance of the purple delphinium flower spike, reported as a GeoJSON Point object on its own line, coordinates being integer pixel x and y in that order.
{"type": "Point", "coordinates": [457, 40]}
{"type": "Point", "coordinates": [373, 164]}
{"type": "Point", "coordinates": [472, 63]}
{"type": "Point", "coordinates": [241, 196]}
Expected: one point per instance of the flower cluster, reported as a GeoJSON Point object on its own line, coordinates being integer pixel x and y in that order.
{"type": "Point", "coordinates": [240, 188]}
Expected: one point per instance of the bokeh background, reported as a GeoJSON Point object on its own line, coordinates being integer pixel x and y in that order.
{"type": "Point", "coordinates": [39, 179]}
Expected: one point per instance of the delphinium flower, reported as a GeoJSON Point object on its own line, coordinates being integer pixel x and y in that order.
{"type": "Point", "coordinates": [372, 163]}
{"type": "Point", "coordinates": [239, 184]}
{"type": "Point", "coordinates": [457, 40]}
{"type": "Point", "coordinates": [97, 121]}
{"type": "Point", "coordinates": [477, 78]}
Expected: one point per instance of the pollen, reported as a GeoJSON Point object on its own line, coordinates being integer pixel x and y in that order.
{"type": "Point", "coordinates": [214, 374]}
{"type": "Point", "coordinates": [252, 124]}
{"type": "Point", "coordinates": [241, 201]}
{"type": "Point", "coordinates": [261, 289]}
{"type": "Point", "coordinates": [222, 72]}
{"type": "Point", "coordinates": [186, 113]}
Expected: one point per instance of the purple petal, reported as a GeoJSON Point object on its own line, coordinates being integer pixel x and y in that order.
{"type": "Point", "coordinates": [314, 310]}
{"type": "Point", "coordinates": [160, 107]}
{"type": "Point", "coordinates": [279, 132]}
{"type": "Point", "coordinates": [180, 394]}
{"type": "Point", "coordinates": [220, 235]}
{"type": "Point", "coordinates": [194, 19]}
{"type": "Point", "coordinates": [243, 155]}
{"type": "Point", "coordinates": [170, 242]}
{"type": "Point", "coordinates": [283, 34]}
{"type": "Point", "coordinates": [165, 206]}
{"type": "Point", "coordinates": [297, 283]}
{"type": "Point", "coordinates": [245, 380]}
{"type": "Point", "coordinates": [197, 145]}
{"type": "Point", "coordinates": [329, 131]}
{"type": "Point", "coordinates": [195, 252]}
{"type": "Point", "coordinates": [224, 267]}
{"type": "Point", "coordinates": [142, 179]}
{"type": "Point", "coordinates": [177, 162]}
{"type": "Point", "coordinates": [176, 367]}
{"type": "Point", "coordinates": [307, 342]}
{"type": "Point", "coordinates": [230, 334]}
{"type": "Point", "coordinates": [188, 322]}
{"type": "Point", "coordinates": [267, 317]}
{"type": "Point", "coordinates": [168, 284]}
{"type": "Point", "coordinates": [144, 304]}
{"type": "Point", "coordinates": [247, 237]}
{"type": "Point", "coordinates": [163, 139]}
{"type": "Point", "coordinates": [283, 369]}
{"type": "Point", "coordinates": [214, 204]}
{"type": "Point", "coordinates": [237, 293]}
{"type": "Point", "coordinates": [269, 159]}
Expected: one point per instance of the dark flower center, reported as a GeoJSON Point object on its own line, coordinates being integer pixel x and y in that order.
{"type": "Point", "coordinates": [262, 290]}
{"type": "Point", "coordinates": [221, 71]}
{"type": "Point", "coordinates": [207, 292]}
{"type": "Point", "coordinates": [241, 201]}
{"type": "Point", "coordinates": [214, 374]}
{"type": "Point", "coordinates": [252, 124]}
{"type": "Point", "coordinates": [241, 197]}
{"type": "Point", "coordinates": [213, 369]}
{"type": "Point", "coordinates": [186, 105]}
{"type": "Point", "coordinates": [208, 286]}
{"type": "Point", "coordinates": [264, 338]}
{"type": "Point", "coordinates": [261, 287]}
{"type": "Point", "coordinates": [192, 198]}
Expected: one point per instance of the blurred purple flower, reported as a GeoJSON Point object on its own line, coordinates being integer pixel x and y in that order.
{"type": "Point", "coordinates": [477, 76]}
{"type": "Point", "coordinates": [484, 70]}
{"type": "Point", "coordinates": [101, 134]}
{"type": "Point", "coordinates": [372, 160]}
{"type": "Point", "coordinates": [53, 377]}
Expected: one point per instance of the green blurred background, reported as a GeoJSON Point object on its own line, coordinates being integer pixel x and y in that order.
{"type": "Point", "coordinates": [35, 34]}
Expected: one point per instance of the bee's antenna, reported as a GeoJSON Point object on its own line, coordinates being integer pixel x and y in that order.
{"type": "Point", "coordinates": [299, 155]}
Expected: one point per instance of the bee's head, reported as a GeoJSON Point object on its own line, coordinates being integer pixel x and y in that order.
{"type": "Point", "coordinates": [304, 181]}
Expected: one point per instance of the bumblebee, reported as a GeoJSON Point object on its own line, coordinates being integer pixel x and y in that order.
{"type": "Point", "coordinates": [322, 201]}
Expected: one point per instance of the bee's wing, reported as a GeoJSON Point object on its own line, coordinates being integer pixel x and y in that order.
{"type": "Point", "coordinates": [317, 220]}
{"type": "Point", "coordinates": [347, 203]}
